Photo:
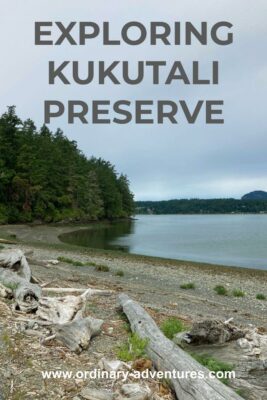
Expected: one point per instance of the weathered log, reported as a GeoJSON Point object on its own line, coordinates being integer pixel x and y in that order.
{"type": "Point", "coordinates": [213, 331]}
{"type": "Point", "coordinates": [86, 292]}
{"type": "Point", "coordinates": [5, 292]}
{"type": "Point", "coordinates": [16, 261]}
{"type": "Point", "coordinates": [15, 273]}
{"type": "Point", "coordinates": [76, 335]}
{"type": "Point", "coordinates": [166, 356]}
{"type": "Point", "coordinates": [26, 294]}
{"type": "Point", "coordinates": [60, 310]}
{"type": "Point", "coordinates": [63, 314]}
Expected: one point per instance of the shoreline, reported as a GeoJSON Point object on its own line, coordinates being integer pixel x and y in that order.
{"type": "Point", "coordinates": [48, 235]}
{"type": "Point", "coordinates": [152, 280]}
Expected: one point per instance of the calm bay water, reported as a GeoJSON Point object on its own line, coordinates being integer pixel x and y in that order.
{"type": "Point", "coordinates": [237, 240]}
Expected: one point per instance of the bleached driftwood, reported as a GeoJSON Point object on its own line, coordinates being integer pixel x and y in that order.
{"type": "Point", "coordinates": [15, 274]}
{"type": "Point", "coordinates": [16, 261]}
{"type": "Point", "coordinates": [64, 315]}
{"type": "Point", "coordinates": [166, 356]}
{"type": "Point", "coordinates": [5, 292]}
{"type": "Point", "coordinates": [60, 310]}
{"type": "Point", "coordinates": [213, 331]}
{"type": "Point", "coordinates": [86, 293]}
{"type": "Point", "coordinates": [76, 335]}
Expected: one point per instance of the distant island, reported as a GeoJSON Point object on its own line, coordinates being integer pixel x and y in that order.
{"type": "Point", "coordinates": [256, 195]}
{"type": "Point", "coordinates": [253, 203]}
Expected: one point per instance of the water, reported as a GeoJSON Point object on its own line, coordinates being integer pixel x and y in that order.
{"type": "Point", "coordinates": [236, 240]}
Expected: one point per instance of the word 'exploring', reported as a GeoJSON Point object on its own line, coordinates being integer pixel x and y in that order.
{"type": "Point", "coordinates": [152, 71]}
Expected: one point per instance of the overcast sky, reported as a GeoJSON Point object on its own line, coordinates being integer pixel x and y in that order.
{"type": "Point", "coordinates": [166, 161]}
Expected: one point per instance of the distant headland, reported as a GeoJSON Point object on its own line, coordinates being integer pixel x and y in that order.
{"type": "Point", "coordinates": [254, 203]}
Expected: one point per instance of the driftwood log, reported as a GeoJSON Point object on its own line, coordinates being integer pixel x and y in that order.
{"type": "Point", "coordinates": [15, 274]}
{"type": "Point", "coordinates": [214, 331]}
{"type": "Point", "coordinates": [76, 335]}
{"type": "Point", "coordinates": [166, 356]}
{"type": "Point", "coordinates": [65, 315]}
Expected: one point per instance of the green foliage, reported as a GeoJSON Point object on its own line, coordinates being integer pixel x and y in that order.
{"type": "Point", "coordinates": [238, 293]}
{"type": "Point", "coordinates": [44, 176]}
{"type": "Point", "coordinates": [213, 364]}
{"type": "Point", "coordinates": [72, 262]}
{"type": "Point", "coordinates": [120, 273]}
{"type": "Point", "coordinates": [101, 268]}
{"type": "Point", "coordinates": [221, 290]}
{"type": "Point", "coordinates": [12, 286]}
{"type": "Point", "coordinates": [260, 296]}
{"type": "Point", "coordinates": [201, 206]}
{"type": "Point", "coordinates": [171, 327]}
{"type": "Point", "coordinates": [133, 349]}
{"type": "Point", "coordinates": [189, 285]}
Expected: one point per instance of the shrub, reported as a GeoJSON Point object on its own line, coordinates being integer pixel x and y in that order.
{"type": "Point", "coordinates": [78, 264]}
{"type": "Point", "coordinates": [133, 349]}
{"type": "Point", "coordinates": [221, 290]}
{"type": "Point", "coordinates": [72, 262]}
{"type": "Point", "coordinates": [171, 327]}
{"type": "Point", "coordinates": [119, 273]}
{"type": "Point", "coordinates": [238, 293]}
{"type": "Point", "coordinates": [189, 285]}
{"type": "Point", "coordinates": [260, 296]}
{"type": "Point", "coordinates": [65, 260]}
{"type": "Point", "coordinates": [102, 268]}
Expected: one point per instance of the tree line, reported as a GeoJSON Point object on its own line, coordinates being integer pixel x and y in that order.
{"type": "Point", "coordinates": [45, 177]}
{"type": "Point", "coordinates": [199, 206]}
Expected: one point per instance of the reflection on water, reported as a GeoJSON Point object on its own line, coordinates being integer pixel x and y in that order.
{"type": "Point", "coordinates": [236, 240]}
{"type": "Point", "coordinates": [101, 237]}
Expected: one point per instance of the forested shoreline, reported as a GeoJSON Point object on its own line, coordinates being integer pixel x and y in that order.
{"type": "Point", "coordinates": [45, 177]}
{"type": "Point", "coordinates": [201, 206]}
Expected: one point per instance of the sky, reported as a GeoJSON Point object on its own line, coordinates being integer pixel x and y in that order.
{"type": "Point", "coordinates": [162, 161]}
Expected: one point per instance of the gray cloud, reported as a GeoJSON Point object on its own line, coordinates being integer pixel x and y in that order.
{"type": "Point", "coordinates": [161, 161]}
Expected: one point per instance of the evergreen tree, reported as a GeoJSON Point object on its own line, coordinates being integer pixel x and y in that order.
{"type": "Point", "coordinates": [44, 176]}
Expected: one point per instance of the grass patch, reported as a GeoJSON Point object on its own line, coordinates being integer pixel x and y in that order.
{"type": "Point", "coordinates": [171, 327]}
{"type": "Point", "coordinates": [132, 350]}
{"type": "Point", "coordinates": [189, 285]}
{"type": "Point", "coordinates": [213, 364]}
{"type": "Point", "coordinates": [91, 264]}
{"type": "Point", "coordinates": [101, 268]}
{"type": "Point", "coordinates": [76, 263]}
{"type": "Point", "coordinates": [70, 261]}
{"type": "Point", "coordinates": [221, 290]}
{"type": "Point", "coordinates": [119, 273]}
{"type": "Point", "coordinates": [260, 296]}
{"type": "Point", "coordinates": [12, 286]}
{"type": "Point", "coordinates": [238, 293]}
{"type": "Point", "coordinates": [126, 324]}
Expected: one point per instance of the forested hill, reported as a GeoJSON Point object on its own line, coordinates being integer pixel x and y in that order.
{"type": "Point", "coordinates": [196, 206]}
{"type": "Point", "coordinates": [45, 177]}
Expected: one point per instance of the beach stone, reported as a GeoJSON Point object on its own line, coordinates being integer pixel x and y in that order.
{"type": "Point", "coordinates": [95, 394]}
{"type": "Point", "coordinates": [134, 391]}
{"type": "Point", "coordinates": [114, 365]}
{"type": "Point", "coordinates": [244, 344]}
